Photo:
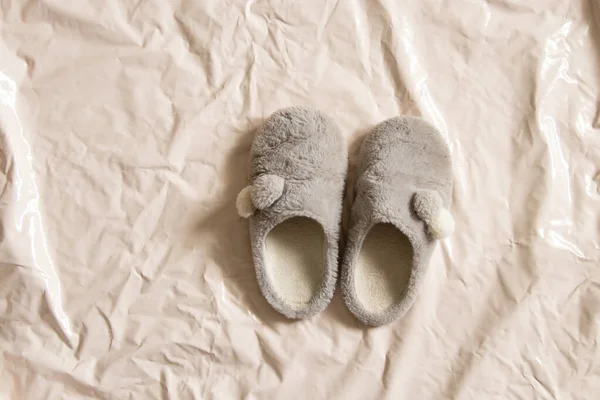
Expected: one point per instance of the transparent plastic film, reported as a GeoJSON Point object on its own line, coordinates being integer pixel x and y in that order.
{"type": "Point", "coordinates": [125, 135]}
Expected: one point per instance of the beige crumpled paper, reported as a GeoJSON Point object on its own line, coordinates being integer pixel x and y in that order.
{"type": "Point", "coordinates": [125, 129]}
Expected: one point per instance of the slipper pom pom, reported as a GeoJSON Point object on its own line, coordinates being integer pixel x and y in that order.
{"type": "Point", "coordinates": [441, 225]}
{"type": "Point", "coordinates": [266, 189]}
{"type": "Point", "coordinates": [429, 207]}
{"type": "Point", "coordinates": [244, 205]}
{"type": "Point", "coordinates": [426, 203]}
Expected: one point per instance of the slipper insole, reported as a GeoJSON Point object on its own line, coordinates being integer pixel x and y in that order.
{"type": "Point", "coordinates": [294, 255]}
{"type": "Point", "coordinates": [383, 268]}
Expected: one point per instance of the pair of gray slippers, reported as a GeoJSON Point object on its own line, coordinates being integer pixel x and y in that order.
{"type": "Point", "coordinates": [294, 204]}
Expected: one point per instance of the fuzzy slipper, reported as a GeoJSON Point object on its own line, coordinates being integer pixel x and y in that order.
{"type": "Point", "coordinates": [402, 191]}
{"type": "Point", "coordinates": [298, 169]}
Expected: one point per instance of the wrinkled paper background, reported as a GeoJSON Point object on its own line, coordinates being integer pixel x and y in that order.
{"type": "Point", "coordinates": [125, 132]}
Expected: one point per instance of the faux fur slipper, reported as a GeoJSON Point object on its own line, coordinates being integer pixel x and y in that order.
{"type": "Point", "coordinates": [298, 168]}
{"type": "Point", "coordinates": [403, 189]}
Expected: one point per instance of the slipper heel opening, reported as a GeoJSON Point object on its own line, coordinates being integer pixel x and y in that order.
{"type": "Point", "coordinates": [383, 268]}
{"type": "Point", "coordinates": [295, 265]}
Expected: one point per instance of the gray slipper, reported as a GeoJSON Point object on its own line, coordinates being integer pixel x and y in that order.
{"type": "Point", "coordinates": [402, 191]}
{"type": "Point", "coordinates": [298, 168]}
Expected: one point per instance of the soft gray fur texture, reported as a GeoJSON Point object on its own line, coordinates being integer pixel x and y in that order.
{"type": "Point", "coordinates": [266, 189]}
{"type": "Point", "coordinates": [307, 150]}
{"type": "Point", "coordinates": [400, 157]}
{"type": "Point", "coordinates": [426, 203]}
